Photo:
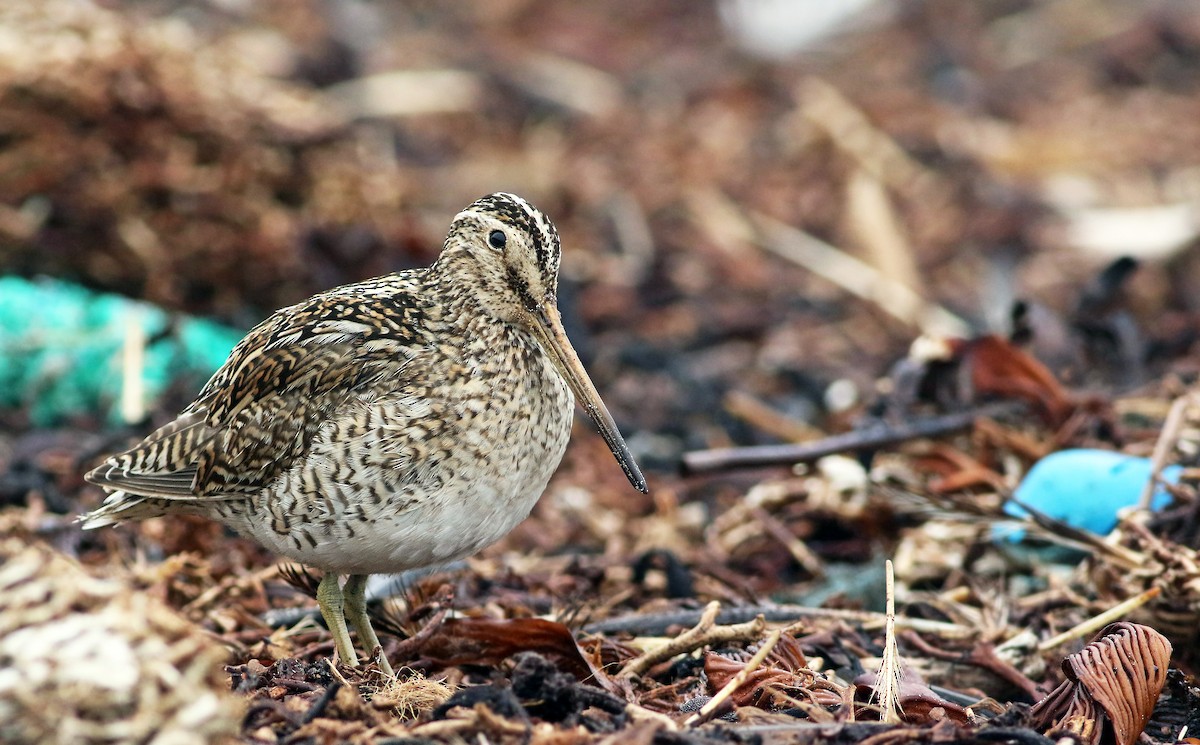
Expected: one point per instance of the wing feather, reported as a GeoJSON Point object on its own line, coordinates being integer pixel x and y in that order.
{"type": "Point", "coordinates": [260, 411]}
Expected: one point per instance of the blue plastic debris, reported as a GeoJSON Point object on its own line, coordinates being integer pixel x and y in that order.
{"type": "Point", "coordinates": [61, 348]}
{"type": "Point", "coordinates": [1086, 488]}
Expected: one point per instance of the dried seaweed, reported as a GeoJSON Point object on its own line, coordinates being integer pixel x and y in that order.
{"type": "Point", "coordinates": [86, 660]}
{"type": "Point", "coordinates": [750, 245]}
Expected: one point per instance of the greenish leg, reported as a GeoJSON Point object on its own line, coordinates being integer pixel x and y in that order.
{"type": "Point", "coordinates": [332, 604]}
{"type": "Point", "coordinates": [356, 614]}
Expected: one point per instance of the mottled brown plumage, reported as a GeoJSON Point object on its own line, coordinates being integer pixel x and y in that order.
{"type": "Point", "coordinates": [395, 423]}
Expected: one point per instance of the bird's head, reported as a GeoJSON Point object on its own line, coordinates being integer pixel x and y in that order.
{"type": "Point", "coordinates": [508, 252]}
{"type": "Point", "coordinates": [513, 251]}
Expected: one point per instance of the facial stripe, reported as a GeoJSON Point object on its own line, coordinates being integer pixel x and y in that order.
{"type": "Point", "coordinates": [522, 291]}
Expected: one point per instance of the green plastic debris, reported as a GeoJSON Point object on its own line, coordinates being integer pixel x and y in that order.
{"type": "Point", "coordinates": [61, 349]}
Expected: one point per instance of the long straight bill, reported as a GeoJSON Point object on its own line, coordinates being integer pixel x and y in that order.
{"type": "Point", "coordinates": [549, 326]}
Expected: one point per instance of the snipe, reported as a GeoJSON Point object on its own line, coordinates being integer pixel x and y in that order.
{"type": "Point", "coordinates": [400, 422]}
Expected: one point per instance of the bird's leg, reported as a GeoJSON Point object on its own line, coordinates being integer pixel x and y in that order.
{"type": "Point", "coordinates": [332, 604]}
{"type": "Point", "coordinates": [356, 614]}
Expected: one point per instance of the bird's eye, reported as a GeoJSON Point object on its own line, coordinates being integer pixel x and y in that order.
{"type": "Point", "coordinates": [497, 239]}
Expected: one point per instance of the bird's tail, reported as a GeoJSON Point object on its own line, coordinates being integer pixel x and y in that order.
{"type": "Point", "coordinates": [120, 506]}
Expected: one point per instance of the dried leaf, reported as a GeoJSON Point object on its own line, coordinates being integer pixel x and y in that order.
{"type": "Point", "coordinates": [486, 641]}
{"type": "Point", "coordinates": [919, 704]}
{"type": "Point", "coordinates": [1113, 684]}
{"type": "Point", "coordinates": [997, 368]}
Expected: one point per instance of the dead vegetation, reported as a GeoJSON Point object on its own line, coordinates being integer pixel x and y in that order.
{"type": "Point", "coordinates": [897, 247]}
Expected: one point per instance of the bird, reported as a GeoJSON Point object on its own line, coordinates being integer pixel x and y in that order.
{"type": "Point", "coordinates": [400, 422]}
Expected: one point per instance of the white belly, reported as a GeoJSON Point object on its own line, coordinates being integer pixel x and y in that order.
{"type": "Point", "coordinates": [454, 523]}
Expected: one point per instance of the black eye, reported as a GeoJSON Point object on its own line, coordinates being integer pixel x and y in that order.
{"type": "Point", "coordinates": [497, 239]}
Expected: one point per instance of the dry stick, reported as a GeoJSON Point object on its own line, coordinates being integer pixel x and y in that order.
{"type": "Point", "coordinates": [999, 661]}
{"type": "Point", "coordinates": [442, 728]}
{"type": "Point", "coordinates": [766, 419]}
{"type": "Point", "coordinates": [796, 547]}
{"type": "Point", "coordinates": [736, 682]}
{"type": "Point", "coordinates": [1068, 535]}
{"type": "Point", "coordinates": [1095, 623]}
{"type": "Point", "coordinates": [336, 673]}
{"type": "Point", "coordinates": [871, 438]}
{"type": "Point", "coordinates": [704, 634]}
{"type": "Point", "coordinates": [635, 241]}
{"type": "Point", "coordinates": [406, 93]}
{"type": "Point", "coordinates": [877, 228]}
{"type": "Point", "coordinates": [657, 623]}
{"type": "Point", "coordinates": [638, 712]}
{"type": "Point", "coordinates": [133, 374]}
{"type": "Point", "coordinates": [855, 276]}
{"type": "Point", "coordinates": [850, 129]}
{"type": "Point", "coordinates": [729, 225]}
{"type": "Point", "coordinates": [410, 646]}
{"type": "Point", "coordinates": [650, 657]}
{"type": "Point", "coordinates": [1166, 441]}
{"type": "Point", "coordinates": [473, 718]}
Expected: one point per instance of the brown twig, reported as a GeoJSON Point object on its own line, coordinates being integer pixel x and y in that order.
{"type": "Point", "coordinates": [762, 417]}
{"type": "Point", "coordinates": [736, 681]}
{"type": "Point", "coordinates": [703, 634]}
{"type": "Point", "coordinates": [871, 438]}
{"type": "Point", "coordinates": [982, 656]}
{"type": "Point", "coordinates": [796, 547]}
{"type": "Point", "coordinates": [1099, 621]}
{"type": "Point", "coordinates": [657, 623]}
{"type": "Point", "coordinates": [1166, 443]}
{"type": "Point", "coordinates": [412, 645]}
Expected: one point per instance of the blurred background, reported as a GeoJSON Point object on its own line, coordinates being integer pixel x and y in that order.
{"type": "Point", "coordinates": [781, 219]}
{"type": "Point", "coordinates": [763, 203]}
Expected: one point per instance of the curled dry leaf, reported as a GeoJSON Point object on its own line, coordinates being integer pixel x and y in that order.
{"type": "Point", "coordinates": [1112, 686]}
{"type": "Point", "coordinates": [919, 704]}
{"type": "Point", "coordinates": [965, 371]}
{"type": "Point", "coordinates": [485, 641]}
